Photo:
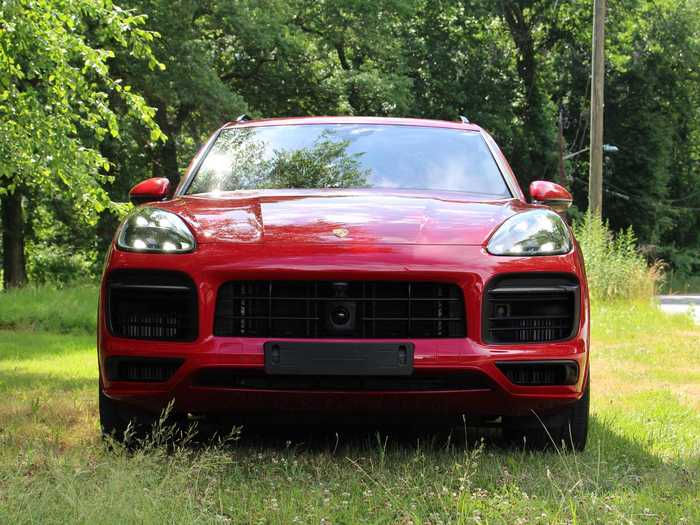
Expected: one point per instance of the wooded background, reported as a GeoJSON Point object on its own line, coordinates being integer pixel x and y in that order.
{"type": "Point", "coordinates": [96, 96]}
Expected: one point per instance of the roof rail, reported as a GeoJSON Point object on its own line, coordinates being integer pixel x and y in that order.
{"type": "Point", "coordinates": [464, 119]}
{"type": "Point", "coordinates": [243, 118]}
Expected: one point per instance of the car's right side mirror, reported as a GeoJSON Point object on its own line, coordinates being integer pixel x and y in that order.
{"type": "Point", "coordinates": [150, 190]}
{"type": "Point", "coordinates": [550, 194]}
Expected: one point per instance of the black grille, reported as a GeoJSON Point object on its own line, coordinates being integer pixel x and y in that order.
{"type": "Point", "coordinates": [325, 309]}
{"type": "Point", "coordinates": [540, 373]}
{"type": "Point", "coordinates": [530, 309]}
{"type": "Point", "coordinates": [251, 379]}
{"type": "Point", "coordinates": [141, 369]}
{"type": "Point", "coordinates": [152, 305]}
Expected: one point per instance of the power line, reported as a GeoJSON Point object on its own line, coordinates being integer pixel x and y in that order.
{"type": "Point", "coordinates": [611, 192]}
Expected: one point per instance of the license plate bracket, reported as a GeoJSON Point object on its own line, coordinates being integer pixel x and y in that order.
{"type": "Point", "coordinates": [338, 359]}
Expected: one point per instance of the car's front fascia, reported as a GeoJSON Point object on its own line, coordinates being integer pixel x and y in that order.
{"type": "Point", "coordinates": [469, 266]}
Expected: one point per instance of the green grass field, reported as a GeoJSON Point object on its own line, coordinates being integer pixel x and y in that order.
{"type": "Point", "coordinates": [642, 464]}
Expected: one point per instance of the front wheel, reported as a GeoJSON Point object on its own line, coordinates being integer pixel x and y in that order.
{"type": "Point", "coordinates": [565, 429]}
{"type": "Point", "coordinates": [122, 422]}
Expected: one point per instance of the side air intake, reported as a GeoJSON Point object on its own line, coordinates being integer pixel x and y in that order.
{"type": "Point", "coordinates": [143, 304]}
{"type": "Point", "coordinates": [531, 309]}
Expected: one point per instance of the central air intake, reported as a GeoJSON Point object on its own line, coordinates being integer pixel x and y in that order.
{"type": "Point", "coordinates": [331, 309]}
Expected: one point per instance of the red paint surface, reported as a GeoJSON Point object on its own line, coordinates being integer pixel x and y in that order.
{"type": "Point", "coordinates": [543, 190]}
{"type": "Point", "coordinates": [154, 189]}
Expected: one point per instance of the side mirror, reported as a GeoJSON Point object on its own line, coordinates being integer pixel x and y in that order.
{"type": "Point", "coordinates": [155, 189]}
{"type": "Point", "coordinates": [550, 194]}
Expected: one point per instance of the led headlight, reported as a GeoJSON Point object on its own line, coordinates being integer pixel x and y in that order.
{"type": "Point", "coordinates": [155, 230]}
{"type": "Point", "coordinates": [536, 232]}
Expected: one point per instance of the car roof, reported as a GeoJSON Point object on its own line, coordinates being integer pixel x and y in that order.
{"type": "Point", "coordinates": [394, 121]}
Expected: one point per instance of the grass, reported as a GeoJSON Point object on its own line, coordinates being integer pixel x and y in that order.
{"type": "Point", "coordinates": [642, 464]}
{"type": "Point", "coordinates": [70, 309]}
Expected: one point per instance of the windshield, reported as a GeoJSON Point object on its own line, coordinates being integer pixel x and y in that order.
{"type": "Point", "coordinates": [349, 156]}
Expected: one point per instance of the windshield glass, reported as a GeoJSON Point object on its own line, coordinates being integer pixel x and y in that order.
{"type": "Point", "coordinates": [349, 156]}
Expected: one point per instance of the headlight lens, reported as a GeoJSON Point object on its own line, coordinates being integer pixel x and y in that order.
{"type": "Point", "coordinates": [536, 232]}
{"type": "Point", "coordinates": [154, 230]}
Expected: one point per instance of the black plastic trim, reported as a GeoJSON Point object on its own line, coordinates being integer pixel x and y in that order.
{"type": "Point", "coordinates": [427, 381]}
{"type": "Point", "coordinates": [115, 367]}
{"type": "Point", "coordinates": [531, 283]}
{"type": "Point", "coordinates": [567, 381]}
{"type": "Point", "coordinates": [338, 359]}
{"type": "Point", "coordinates": [363, 299]}
{"type": "Point", "coordinates": [141, 280]}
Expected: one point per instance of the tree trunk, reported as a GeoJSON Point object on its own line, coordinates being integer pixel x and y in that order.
{"type": "Point", "coordinates": [166, 161]}
{"type": "Point", "coordinates": [534, 150]}
{"type": "Point", "coordinates": [521, 32]}
{"type": "Point", "coordinates": [13, 261]}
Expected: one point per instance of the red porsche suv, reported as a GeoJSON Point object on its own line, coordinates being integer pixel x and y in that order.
{"type": "Point", "coordinates": [353, 267]}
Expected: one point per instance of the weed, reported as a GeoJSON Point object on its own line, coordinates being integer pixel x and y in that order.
{"type": "Point", "coordinates": [615, 269]}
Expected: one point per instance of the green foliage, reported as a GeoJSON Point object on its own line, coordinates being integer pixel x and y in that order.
{"type": "Point", "coordinates": [614, 267]}
{"type": "Point", "coordinates": [651, 84]}
{"type": "Point", "coordinates": [326, 164]}
{"type": "Point", "coordinates": [684, 272]}
{"type": "Point", "coordinates": [307, 57]}
{"type": "Point", "coordinates": [56, 266]}
{"type": "Point", "coordinates": [60, 100]}
{"type": "Point", "coordinates": [68, 309]}
{"type": "Point", "coordinates": [188, 93]}
{"type": "Point", "coordinates": [89, 91]}
{"type": "Point", "coordinates": [681, 283]}
{"type": "Point", "coordinates": [57, 94]}
{"type": "Point", "coordinates": [237, 161]}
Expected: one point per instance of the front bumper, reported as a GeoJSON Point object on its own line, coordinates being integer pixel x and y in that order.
{"type": "Point", "coordinates": [213, 265]}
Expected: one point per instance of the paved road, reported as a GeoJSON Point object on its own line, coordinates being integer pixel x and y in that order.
{"type": "Point", "coordinates": [674, 304]}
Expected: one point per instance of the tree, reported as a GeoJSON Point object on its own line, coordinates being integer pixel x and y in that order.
{"type": "Point", "coordinates": [57, 98]}
{"type": "Point", "coordinates": [461, 63]}
{"type": "Point", "coordinates": [654, 85]}
{"type": "Point", "coordinates": [67, 116]}
{"type": "Point", "coordinates": [190, 98]}
{"type": "Point", "coordinates": [305, 57]}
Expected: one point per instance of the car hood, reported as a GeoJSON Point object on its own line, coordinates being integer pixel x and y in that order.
{"type": "Point", "coordinates": [342, 216]}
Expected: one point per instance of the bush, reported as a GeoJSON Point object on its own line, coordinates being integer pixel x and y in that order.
{"type": "Point", "coordinates": [614, 266]}
{"type": "Point", "coordinates": [684, 269]}
{"type": "Point", "coordinates": [51, 265]}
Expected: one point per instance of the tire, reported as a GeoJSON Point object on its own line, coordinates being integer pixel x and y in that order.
{"type": "Point", "coordinates": [564, 430]}
{"type": "Point", "coordinates": [116, 416]}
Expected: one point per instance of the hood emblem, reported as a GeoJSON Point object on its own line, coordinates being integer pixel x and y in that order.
{"type": "Point", "coordinates": [340, 232]}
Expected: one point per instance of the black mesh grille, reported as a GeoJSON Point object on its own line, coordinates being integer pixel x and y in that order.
{"type": "Point", "coordinates": [152, 305]}
{"type": "Point", "coordinates": [354, 309]}
{"type": "Point", "coordinates": [530, 309]}
{"type": "Point", "coordinates": [252, 379]}
{"type": "Point", "coordinates": [142, 369]}
{"type": "Point", "coordinates": [540, 373]}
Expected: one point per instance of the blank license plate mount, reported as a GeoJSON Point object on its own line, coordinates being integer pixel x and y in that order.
{"type": "Point", "coordinates": [338, 359]}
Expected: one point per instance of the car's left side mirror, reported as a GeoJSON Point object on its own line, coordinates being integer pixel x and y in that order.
{"type": "Point", "coordinates": [150, 190]}
{"type": "Point", "coordinates": [550, 194]}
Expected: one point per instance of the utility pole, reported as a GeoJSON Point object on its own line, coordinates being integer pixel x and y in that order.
{"type": "Point", "coordinates": [595, 174]}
